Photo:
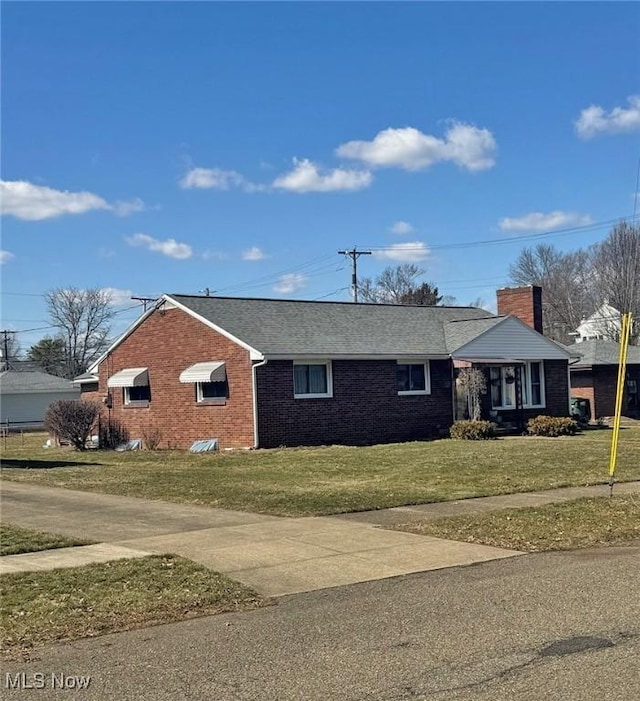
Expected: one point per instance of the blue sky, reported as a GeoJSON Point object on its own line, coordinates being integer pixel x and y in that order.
{"type": "Point", "coordinates": [170, 147]}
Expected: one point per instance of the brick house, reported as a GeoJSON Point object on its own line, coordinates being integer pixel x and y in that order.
{"type": "Point", "coordinates": [268, 373]}
{"type": "Point", "coordinates": [594, 376]}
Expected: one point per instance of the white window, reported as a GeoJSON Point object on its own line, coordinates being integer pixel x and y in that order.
{"type": "Point", "coordinates": [503, 385]}
{"type": "Point", "coordinates": [210, 379]}
{"type": "Point", "coordinates": [312, 380]}
{"type": "Point", "coordinates": [211, 391]}
{"type": "Point", "coordinates": [413, 378]}
{"type": "Point", "coordinates": [135, 386]}
{"type": "Point", "coordinates": [138, 395]}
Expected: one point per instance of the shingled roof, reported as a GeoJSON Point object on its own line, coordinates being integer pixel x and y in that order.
{"type": "Point", "coordinates": [601, 352]}
{"type": "Point", "coordinates": [291, 327]}
{"type": "Point", "coordinates": [33, 382]}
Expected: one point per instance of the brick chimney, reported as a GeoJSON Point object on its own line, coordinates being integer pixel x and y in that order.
{"type": "Point", "coordinates": [525, 303]}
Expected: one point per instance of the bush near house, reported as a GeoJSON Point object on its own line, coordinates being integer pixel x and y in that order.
{"type": "Point", "coordinates": [473, 430]}
{"type": "Point", "coordinates": [72, 420]}
{"type": "Point", "coordinates": [552, 426]}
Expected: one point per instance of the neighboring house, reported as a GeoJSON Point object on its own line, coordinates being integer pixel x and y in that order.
{"type": "Point", "coordinates": [594, 376]}
{"type": "Point", "coordinates": [603, 324]}
{"type": "Point", "coordinates": [25, 396]}
{"type": "Point", "coordinates": [268, 373]}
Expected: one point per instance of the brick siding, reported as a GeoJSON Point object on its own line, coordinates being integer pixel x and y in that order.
{"type": "Point", "coordinates": [168, 342]}
{"type": "Point", "coordinates": [599, 386]}
{"type": "Point", "coordinates": [365, 407]}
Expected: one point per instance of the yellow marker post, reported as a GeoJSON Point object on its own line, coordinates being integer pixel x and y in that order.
{"type": "Point", "coordinates": [625, 330]}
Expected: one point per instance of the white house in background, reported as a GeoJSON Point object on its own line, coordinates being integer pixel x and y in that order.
{"type": "Point", "coordinates": [26, 395]}
{"type": "Point", "coordinates": [603, 324]}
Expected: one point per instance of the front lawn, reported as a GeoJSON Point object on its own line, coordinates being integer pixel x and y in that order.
{"type": "Point", "coordinates": [67, 604]}
{"type": "Point", "coordinates": [581, 523]}
{"type": "Point", "coordinates": [335, 479]}
{"type": "Point", "coordinates": [15, 540]}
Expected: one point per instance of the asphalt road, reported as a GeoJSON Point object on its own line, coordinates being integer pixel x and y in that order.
{"type": "Point", "coordinates": [560, 626]}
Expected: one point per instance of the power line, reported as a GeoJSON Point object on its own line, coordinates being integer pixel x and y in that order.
{"type": "Point", "coordinates": [595, 226]}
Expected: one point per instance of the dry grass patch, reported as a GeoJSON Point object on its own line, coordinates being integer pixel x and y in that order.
{"type": "Point", "coordinates": [15, 540]}
{"type": "Point", "coordinates": [333, 479]}
{"type": "Point", "coordinates": [67, 604]}
{"type": "Point", "coordinates": [581, 523]}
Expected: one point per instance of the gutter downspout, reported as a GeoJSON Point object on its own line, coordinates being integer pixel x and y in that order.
{"type": "Point", "coordinates": [254, 388]}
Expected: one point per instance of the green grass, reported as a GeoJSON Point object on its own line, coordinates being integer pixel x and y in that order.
{"type": "Point", "coordinates": [15, 540]}
{"type": "Point", "coordinates": [38, 608]}
{"type": "Point", "coordinates": [581, 523]}
{"type": "Point", "coordinates": [307, 481]}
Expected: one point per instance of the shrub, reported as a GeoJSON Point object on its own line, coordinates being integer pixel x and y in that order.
{"type": "Point", "coordinates": [152, 436]}
{"type": "Point", "coordinates": [473, 430]}
{"type": "Point", "coordinates": [111, 433]}
{"type": "Point", "coordinates": [552, 426]}
{"type": "Point", "coordinates": [72, 420]}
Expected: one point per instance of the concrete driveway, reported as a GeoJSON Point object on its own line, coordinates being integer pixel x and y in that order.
{"type": "Point", "coordinates": [276, 556]}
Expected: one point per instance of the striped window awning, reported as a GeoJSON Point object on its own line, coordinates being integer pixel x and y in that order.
{"type": "Point", "coordinates": [129, 377]}
{"type": "Point", "coordinates": [212, 371]}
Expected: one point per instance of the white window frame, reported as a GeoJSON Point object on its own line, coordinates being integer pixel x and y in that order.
{"type": "Point", "coordinates": [201, 399]}
{"type": "Point", "coordinates": [526, 389]}
{"type": "Point", "coordinates": [329, 375]}
{"type": "Point", "coordinates": [427, 377]}
{"type": "Point", "coordinates": [127, 401]}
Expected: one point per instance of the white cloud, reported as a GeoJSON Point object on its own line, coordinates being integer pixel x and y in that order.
{"type": "Point", "coordinates": [211, 179]}
{"type": "Point", "coordinates": [307, 177]}
{"type": "Point", "coordinates": [24, 200]}
{"type": "Point", "coordinates": [119, 298]}
{"type": "Point", "coordinates": [537, 221]}
{"type": "Point", "coordinates": [253, 253]}
{"type": "Point", "coordinates": [401, 228]}
{"type": "Point", "coordinates": [291, 282]}
{"type": "Point", "coordinates": [170, 247]}
{"type": "Point", "coordinates": [464, 144]}
{"type": "Point", "coordinates": [594, 120]}
{"type": "Point", "coordinates": [409, 252]}
{"type": "Point", "coordinates": [123, 208]}
{"type": "Point", "coordinates": [5, 256]}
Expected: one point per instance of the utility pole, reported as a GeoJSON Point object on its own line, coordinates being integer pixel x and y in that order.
{"type": "Point", "coordinates": [145, 301]}
{"type": "Point", "coordinates": [5, 348]}
{"type": "Point", "coordinates": [354, 254]}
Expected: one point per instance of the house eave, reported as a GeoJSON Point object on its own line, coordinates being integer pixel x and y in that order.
{"type": "Point", "coordinates": [356, 356]}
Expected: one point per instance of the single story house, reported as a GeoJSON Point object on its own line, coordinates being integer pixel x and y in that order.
{"type": "Point", "coordinates": [269, 373]}
{"type": "Point", "coordinates": [25, 396]}
{"type": "Point", "coordinates": [594, 376]}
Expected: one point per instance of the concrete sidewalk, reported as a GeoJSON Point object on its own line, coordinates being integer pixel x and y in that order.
{"type": "Point", "coordinates": [305, 554]}
{"type": "Point", "coordinates": [478, 505]}
{"type": "Point", "coordinates": [67, 557]}
{"type": "Point", "coordinates": [276, 556]}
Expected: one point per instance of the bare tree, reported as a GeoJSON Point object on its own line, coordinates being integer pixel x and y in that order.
{"type": "Point", "coordinates": [616, 271]}
{"type": "Point", "coordinates": [398, 285]}
{"type": "Point", "coordinates": [473, 383]}
{"type": "Point", "coordinates": [567, 287]}
{"type": "Point", "coordinates": [83, 319]}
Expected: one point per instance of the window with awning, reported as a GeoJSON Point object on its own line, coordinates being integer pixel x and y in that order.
{"type": "Point", "coordinates": [210, 379]}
